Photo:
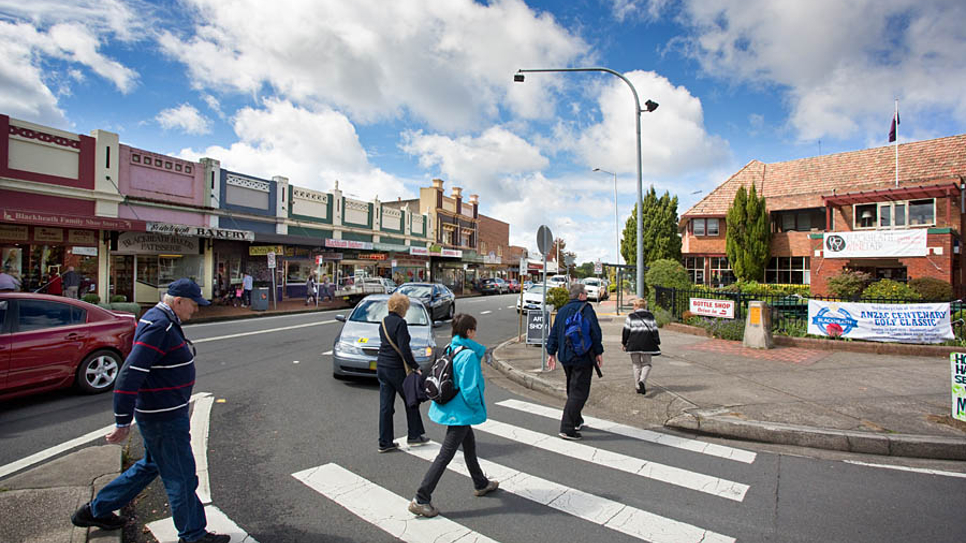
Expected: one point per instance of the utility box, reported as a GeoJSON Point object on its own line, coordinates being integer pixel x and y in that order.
{"type": "Point", "coordinates": [260, 299]}
{"type": "Point", "coordinates": [758, 326]}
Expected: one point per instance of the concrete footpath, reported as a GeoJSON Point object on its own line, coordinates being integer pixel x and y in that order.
{"type": "Point", "coordinates": [848, 401]}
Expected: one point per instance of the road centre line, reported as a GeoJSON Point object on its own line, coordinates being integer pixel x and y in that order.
{"type": "Point", "coordinates": [383, 508]}
{"type": "Point", "coordinates": [164, 531]}
{"type": "Point", "coordinates": [485, 312]}
{"type": "Point", "coordinates": [669, 440]}
{"type": "Point", "coordinates": [700, 482]}
{"type": "Point", "coordinates": [256, 332]}
{"type": "Point", "coordinates": [602, 511]}
{"type": "Point", "coordinates": [906, 468]}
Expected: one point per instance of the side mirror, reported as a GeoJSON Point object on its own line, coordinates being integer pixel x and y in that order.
{"type": "Point", "coordinates": [340, 318]}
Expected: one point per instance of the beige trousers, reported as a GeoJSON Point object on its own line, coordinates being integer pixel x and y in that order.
{"type": "Point", "coordinates": [642, 366]}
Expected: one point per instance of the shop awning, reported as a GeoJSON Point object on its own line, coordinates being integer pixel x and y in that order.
{"type": "Point", "coordinates": [892, 194]}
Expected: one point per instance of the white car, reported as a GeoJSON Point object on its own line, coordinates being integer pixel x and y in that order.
{"type": "Point", "coordinates": [595, 289]}
{"type": "Point", "coordinates": [532, 299]}
{"type": "Point", "coordinates": [558, 281]}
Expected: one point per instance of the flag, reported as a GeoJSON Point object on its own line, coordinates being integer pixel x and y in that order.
{"type": "Point", "coordinates": [892, 131]}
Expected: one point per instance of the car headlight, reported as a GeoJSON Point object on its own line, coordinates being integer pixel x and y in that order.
{"type": "Point", "coordinates": [345, 347]}
{"type": "Point", "coordinates": [423, 352]}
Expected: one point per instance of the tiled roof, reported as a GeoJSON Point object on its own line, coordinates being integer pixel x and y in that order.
{"type": "Point", "coordinates": [801, 183]}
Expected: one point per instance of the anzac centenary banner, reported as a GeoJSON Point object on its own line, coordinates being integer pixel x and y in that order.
{"type": "Point", "coordinates": [877, 243]}
{"type": "Point", "coordinates": [900, 323]}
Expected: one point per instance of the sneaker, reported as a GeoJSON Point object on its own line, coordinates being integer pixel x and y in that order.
{"type": "Point", "coordinates": [581, 426]}
{"type": "Point", "coordinates": [421, 440]}
{"type": "Point", "coordinates": [391, 447]}
{"type": "Point", "coordinates": [571, 436]}
{"type": "Point", "coordinates": [641, 389]}
{"type": "Point", "coordinates": [423, 509]}
{"type": "Point", "coordinates": [209, 537]}
{"type": "Point", "coordinates": [84, 519]}
{"type": "Point", "coordinates": [490, 487]}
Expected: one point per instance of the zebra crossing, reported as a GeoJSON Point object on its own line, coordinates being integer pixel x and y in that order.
{"type": "Point", "coordinates": [386, 510]}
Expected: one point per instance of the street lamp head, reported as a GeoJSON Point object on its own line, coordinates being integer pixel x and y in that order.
{"type": "Point", "coordinates": [596, 169]}
{"type": "Point", "coordinates": [518, 78]}
{"type": "Point", "coordinates": [650, 106]}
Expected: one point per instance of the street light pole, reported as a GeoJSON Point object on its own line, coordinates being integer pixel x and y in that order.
{"type": "Point", "coordinates": [651, 106]}
{"type": "Point", "coordinates": [617, 235]}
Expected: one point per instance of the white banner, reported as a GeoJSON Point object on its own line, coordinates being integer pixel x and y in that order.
{"type": "Point", "coordinates": [875, 243]}
{"type": "Point", "coordinates": [901, 323]}
{"type": "Point", "coordinates": [713, 308]}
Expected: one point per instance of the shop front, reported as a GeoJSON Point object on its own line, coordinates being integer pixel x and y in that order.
{"type": "Point", "coordinates": [143, 264]}
{"type": "Point", "coordinates": [38, 254]}
{"type": "Point", "coordinates": [410, 269]}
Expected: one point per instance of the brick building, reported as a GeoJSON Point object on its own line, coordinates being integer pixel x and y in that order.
{"type": "Point", "coordinates": [845, 211]}
{"type": "Point", "coordinates": [495, 248]}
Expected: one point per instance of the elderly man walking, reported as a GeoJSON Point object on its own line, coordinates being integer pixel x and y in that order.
{"type": "Point", "coordinates": [576, 341]}
{"type": "Point", "coordinates": [154, 386]}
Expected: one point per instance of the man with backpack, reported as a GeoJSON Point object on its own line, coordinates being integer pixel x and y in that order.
{"type": "Point", "coordinates": [576, 340]}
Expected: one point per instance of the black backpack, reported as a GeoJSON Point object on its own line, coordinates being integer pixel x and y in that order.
{"type": "Point", "coordinates": [438, 384]}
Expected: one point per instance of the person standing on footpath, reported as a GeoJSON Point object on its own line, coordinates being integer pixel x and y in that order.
{"type": "Point", "coordinates": [71, 282]}
{"type": "Point", "coordinates": [641, 339]}
{"type": "Point", "coordinates": [247, 285]}
{"type": "Point", "coordinates": [154, 386]}
{"type": "Point", "coordinates": [458, 414]}
{"type": "Point", "coordinates": [579, 368]}
{"type": "Point", "coordinates": [395, 355]}
{"type": "Point", "coordinates": [8, 282]}
{"type": "Point", "coordinates": [311, 291]}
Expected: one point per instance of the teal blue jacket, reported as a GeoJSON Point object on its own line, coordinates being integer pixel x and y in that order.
{"type": "Point", "coordinates": [467, 407]}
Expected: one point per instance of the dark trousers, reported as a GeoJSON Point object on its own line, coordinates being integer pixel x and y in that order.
{"type": "Point", "coordinates": [391, 387]}
{"type": "Point", "coordinates": [246, 297]}
{"type": "Point", "coordinates": [578, 390]}
{"type": "Point", "coordinates": [455, 436]}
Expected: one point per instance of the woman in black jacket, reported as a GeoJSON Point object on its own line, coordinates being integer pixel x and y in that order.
{"type": "Point", "coordinates": [391, 371]}
{"type": "Point", "coordinates": [640, 338]}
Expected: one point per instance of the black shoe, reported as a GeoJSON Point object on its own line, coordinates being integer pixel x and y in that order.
{"type": "Point", "coordinates": [209, 537]}
{"type": "Point", "coordinates": [391, 447]}
{"type": "Point", "coordinates": [641, 389]}
{"type": "Point", "coordinates": [572, 436]}
{"type": "Point", "coordinates": [581, 426]}
{"type": "Point", "coordinates": [84, 519]}
{"type": "Point", "coordinates": [421, 440]}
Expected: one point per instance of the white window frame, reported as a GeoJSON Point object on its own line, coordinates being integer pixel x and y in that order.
{"type": "Point", "coordinates": [892, 212]}
{"type": "Point", "coordinates": [694, 227]}
{"type": "Point", "coordinates": [717, 227]}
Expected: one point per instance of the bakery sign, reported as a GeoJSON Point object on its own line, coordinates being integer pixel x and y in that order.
{"type": "Point", "coordinates": [141, 243]}
{"type": "Point", "coordinates": [200, 231]}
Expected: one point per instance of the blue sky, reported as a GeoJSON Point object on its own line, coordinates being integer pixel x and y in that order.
{"type": "Point", "coordinates": [384, 96]}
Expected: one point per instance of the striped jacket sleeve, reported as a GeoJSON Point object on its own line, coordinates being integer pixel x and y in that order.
{"type": "Point", "coordinates": [149, 346]}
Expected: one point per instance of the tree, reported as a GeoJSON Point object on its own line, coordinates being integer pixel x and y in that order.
{"type": "Point", "coordinates": [748, 235]}
{"type": "Point", "coordinates": [584, 270]}
{"type": "Point", "coordinates": [659, 230]}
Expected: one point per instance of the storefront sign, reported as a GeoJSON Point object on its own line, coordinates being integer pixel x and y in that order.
{"type": "Point", "coordinates": [901, 323]}
{"type": "Point", "coordinates": [373, 256]}
{"type": "Point", "coordinates": [419, 251]}
{"type": "Point", "coordinates": [45, 233]}
{"type": "Point", "coordinates": [451, 253]}
{"type": "Point", "coordinates": [200, 231]}
{"type": "Point", "coordinates": [535, 323]}
{"type": "Point", "coordinates": [877, 243]}
{"type": "Point", "coordinates": [84, 251]}
{"type": "Point", "coordinates": [85, 237]}
{"type": "Point", "coordinates": [143, 243]}
{"type": "Point", "coordinates": [10, 232]}
{"type": "Point", "coordinates": [319, 259]}
{"type": "Point", "coordinates": [53, 219]}
{"type": "Point", "coordinates": [713, 308]}
{"type": "Point", "coordinates": [957, 363]}
{"type": "Point", "coordinates": [348, 244]}
{"type": "Point", "coordinates": [435, 250]}
{"type": "Point", "coordinates": [391, 247]}
{"type": "Point", "coordinates": [262, 250]}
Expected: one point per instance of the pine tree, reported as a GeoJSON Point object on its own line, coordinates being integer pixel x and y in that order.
{"type": "Point", "coordinates": [737, 233]}
{"type": "Point", "coordinates": [659, 229]}
{"type": "Point", "coordinates": [748, 236]}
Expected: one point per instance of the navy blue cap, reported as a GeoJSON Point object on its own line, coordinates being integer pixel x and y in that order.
{"type": "Point", "coordinates": [186, 288]}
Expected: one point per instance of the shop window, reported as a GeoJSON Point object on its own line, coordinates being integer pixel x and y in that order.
{"type": "Point", "coordinates": [721, 273]}
{"type": "Point", "coordinates": [885, 216]}
{"type": "Point", "coordinates": [297, 271]}
{"type": "Point", "coordinates": [695, 267]}
{"type": "Point", "coordinates": [900, 214]}
{"type": "Point", "coordinates": [147, 270]}
{"type": "Point", "coordinates": [896, 214]}
{"type": "Point", "coordinates": [786, 270]}
{"type": "Point", "coordinates": [865, 216]}
{"type": "Point", "coordinates": [799, 220]}
{"type": "Point", "coordinates": [174, 267]}
{"type": "Point", "coordinates": [922, 212]}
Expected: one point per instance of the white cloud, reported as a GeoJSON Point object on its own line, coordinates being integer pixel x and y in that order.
{"type": "Point", "coordinates": [23, 93]}
{"type": "Point", "coordinates": [312, 148]}
{"type": "Point", "coordinates": [76, 43]}
{"type": "Point", "coordinates": [186, 118]}
{"type": "Point", "coordinates": [449, 64]}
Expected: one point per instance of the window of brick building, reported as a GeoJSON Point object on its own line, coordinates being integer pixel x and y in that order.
{"type": "Point", "coordinates": [695, 267]}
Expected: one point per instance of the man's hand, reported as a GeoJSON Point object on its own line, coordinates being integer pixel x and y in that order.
{"type": "Point", "coordinates": [623, 347]}
{"type": "Point", "coordinates": [600, 361]}
{"type": "Point", "coordinates": [552, 362]}
{"type": "Point", "coordinates": [118, 435]}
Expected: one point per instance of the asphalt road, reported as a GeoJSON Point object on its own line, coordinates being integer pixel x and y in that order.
{"type": "Point", "coordinates": [283, 413]}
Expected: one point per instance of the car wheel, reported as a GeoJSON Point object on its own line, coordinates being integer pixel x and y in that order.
{"type": "Point", "coordinates": [452, 311]}
{"type": "Point", "coordinates": [98, 372]}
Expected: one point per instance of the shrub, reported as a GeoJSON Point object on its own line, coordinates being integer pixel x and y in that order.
{"type": "Point", "coordinates": [91, 298]}
{"type": "Point", "coordinates": [849, 284]}
{"type": "Point", "coordinates": [667, 273]}
{"type": "Point", "coordinates": [558, 297]}
{"type": "Point", "coordinates": [931, 288]}
{"type": "Point", "coordinates": [662, 316]}
{"type": "Point", "coordinates": [686, 316]}
{"type": "Point", "coordinates": [792, 328]}
{"type": "Point", "coordinates": [118, 299]}
{"type": "Point", "coordinates": [887, 288]}
{"type": "Point", "coordinates": [730, 329]}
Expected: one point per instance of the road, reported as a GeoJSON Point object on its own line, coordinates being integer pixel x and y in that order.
{"type": "Point", "coordinates": [287, 440]}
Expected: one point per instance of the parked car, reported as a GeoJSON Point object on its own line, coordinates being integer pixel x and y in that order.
{"type": "Point", "coordinates": [494, 285]}
{"type": "Point", "coordinates": [514, 285]}
{"type": "Point", "coordinates": [49, 342]}
{"type": "Point", "coordinates": [527, 285]}
{"type": "Point", "coordinates": [558, 281]}
{"type": "Point", "coordinates": [594, 288]}
{"type": "Point", "coordinates": [532, 299]}
{"type": "Point", "coordinates": [439, 300]}
{"type": "Point", "coordinates": [356, 346]}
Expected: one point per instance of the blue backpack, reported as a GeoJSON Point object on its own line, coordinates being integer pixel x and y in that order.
{"type": "Point", "coordinates": [577, 332]}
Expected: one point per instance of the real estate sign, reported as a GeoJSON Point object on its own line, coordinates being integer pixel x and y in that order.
{"type": "Point", "coordinates": [900, 323]}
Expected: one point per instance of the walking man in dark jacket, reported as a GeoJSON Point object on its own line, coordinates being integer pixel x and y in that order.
{"type": "Point", "coordinates": [579, 368]}
{"type": "Point", "coordinates": [71, 283]}
{"type": "Point", "coordinates": [154, 386]}
{"type": "Point", "coordinates": [641, 339]}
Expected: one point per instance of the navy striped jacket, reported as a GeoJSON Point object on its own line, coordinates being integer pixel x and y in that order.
{"type": "Point", "coordinates": [156, 380]}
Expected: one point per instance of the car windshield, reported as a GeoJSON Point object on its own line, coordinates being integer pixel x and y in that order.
{"type": "Point", "coordinates": [592, 282]}
{"type": "Point", "coordinates": [376, 310]}
{"type": "Point", "coordinates": [535, 290]}
{"type": "Point", "coordinates": [417, 291]}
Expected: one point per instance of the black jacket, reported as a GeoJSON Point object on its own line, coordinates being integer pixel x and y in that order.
{"type": "Point", "coordinates": [557, 343]}
{"type": "Point", "coordinates": [399, 332]}
{"type": "Point", "coordinates": [640, 333]}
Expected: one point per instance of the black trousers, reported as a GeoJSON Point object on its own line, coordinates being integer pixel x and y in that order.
{"type": "Point", "coordinates": [578, 390]}
{"type": "Point", "coordinates": [391, 387]}
{"type": "Point", "coordinates": [455, 436]}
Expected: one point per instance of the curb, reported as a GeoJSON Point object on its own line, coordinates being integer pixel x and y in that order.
{"type": "Point", "coordinates": [523, 378]}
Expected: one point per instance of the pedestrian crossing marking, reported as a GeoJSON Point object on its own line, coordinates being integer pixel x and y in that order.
{"type": "Point", "coordinates": [602, 511]}
{"type": "Point", "coordinates": [383, 508]}
{"type": "Point", "coordinates": [660, 472]}
{"type": "Point", "coordinates": [164, 531]}
{"type": "Point", "coordinates": [712, 449]}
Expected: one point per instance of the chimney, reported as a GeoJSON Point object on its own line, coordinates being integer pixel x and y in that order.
{"type": "Point", "coordinates": [438, 184]}
{"type": "Point", "coordinates": [457, 192]}
{"type": "Point", "coordinates": [475, 199]}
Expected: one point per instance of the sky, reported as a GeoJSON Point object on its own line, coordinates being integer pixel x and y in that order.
{"type": "Point", "coordinates": [384, 96]}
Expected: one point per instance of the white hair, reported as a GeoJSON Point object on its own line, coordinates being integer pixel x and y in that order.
{"type": "Point", "coordinates": [168, 299]}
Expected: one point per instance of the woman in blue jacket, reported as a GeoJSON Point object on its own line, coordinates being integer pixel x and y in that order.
{"type": "Point", "coordinates": [465, 409]}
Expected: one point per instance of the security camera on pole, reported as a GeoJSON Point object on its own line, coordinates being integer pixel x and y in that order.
{"type": "Point", "coordinates": [544, 245]}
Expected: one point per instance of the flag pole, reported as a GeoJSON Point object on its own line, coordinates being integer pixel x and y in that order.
{"type": "Point", "coordinates": [896, 120]}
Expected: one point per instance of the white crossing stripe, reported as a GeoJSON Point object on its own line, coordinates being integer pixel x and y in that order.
{"type": "Point", "coordinates": [200, 416]}
{"type": "Point", "coordinates": [382, 508]}
{"type": "Point", "coordinates": [510, 306]}
{"type": "Point", "coordinates": [485, 312]}
{"type": "Point", "coordinates": [607, 513]}
{"type": "Point", "coordinates": [164, 531]}
{"type": "Point", "coordinates": [659, 472]}
{"type": "Point", "coordinates": [721, 451]}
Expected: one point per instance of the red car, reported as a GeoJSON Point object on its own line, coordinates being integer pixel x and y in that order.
{"type": "Point", "coordinates": [514, 285]}
{"type": "Point", "coordinates": [49, 342]}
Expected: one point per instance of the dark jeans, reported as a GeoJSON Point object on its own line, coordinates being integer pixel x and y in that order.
{"type": "Point", "coordinates": [246, 297]}
{"type": "Point", "coordinates": [578, 390]}
{"type": "Point", "coordinates": [391, 387]}
{"type": "Point", "coordinates": [455, 436]}
{"type": "Point", "coordinates": [167, 452]}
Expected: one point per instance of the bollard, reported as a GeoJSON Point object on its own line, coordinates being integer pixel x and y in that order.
{"type": "Point", "coordinates": [758, 326]}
